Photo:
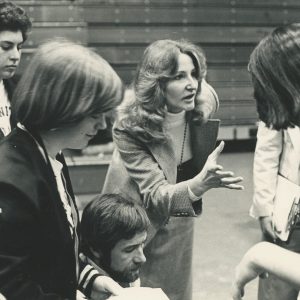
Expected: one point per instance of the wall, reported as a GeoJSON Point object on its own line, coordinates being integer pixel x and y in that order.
{"type": "Point", "coordinates": [227, 30]}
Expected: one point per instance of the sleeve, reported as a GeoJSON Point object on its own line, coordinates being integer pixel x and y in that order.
{"type": "Point", "coordinates": [18, 237]}
{"type": "Point", "coordinates": [87, 277]}
{"type": "Point", "coordinates": [160, 198]}
{"type": "Point", "coordinates": [265, 169]}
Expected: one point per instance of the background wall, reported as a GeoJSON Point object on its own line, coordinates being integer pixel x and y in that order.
{"type": "Point", "coordinates": [120, 30]}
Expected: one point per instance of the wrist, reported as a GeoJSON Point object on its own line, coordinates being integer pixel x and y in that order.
{"type": "Point", "coordinates": [198, 189]}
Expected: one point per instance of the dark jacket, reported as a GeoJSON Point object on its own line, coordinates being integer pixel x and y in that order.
{"type": "Point", "coordinates": [37, 259]}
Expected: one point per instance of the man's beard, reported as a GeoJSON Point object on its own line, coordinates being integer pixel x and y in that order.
{"type": "Point", "coordinates": [125, 276]}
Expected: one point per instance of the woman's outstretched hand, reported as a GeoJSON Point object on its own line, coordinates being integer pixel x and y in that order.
{"type": "Point", "coordinates": [213, 176]}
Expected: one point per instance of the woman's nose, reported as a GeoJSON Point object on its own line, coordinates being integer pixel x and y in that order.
{"type": "Point", "coordinates": [192, 83]}
{"type": "Point", "coordinates": [15, 54]}
{"type": "Point", "coordinates": [101, 122]}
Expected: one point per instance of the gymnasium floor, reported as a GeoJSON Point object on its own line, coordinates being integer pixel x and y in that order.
{"type": "Point", "coordinates": [223, 233]}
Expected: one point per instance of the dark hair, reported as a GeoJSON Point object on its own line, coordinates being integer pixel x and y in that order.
{"type": "Point", "coordinates": [64, 83]}
{"type": "Point", "coordinates": [275, 69]}
{"type": "Point", "coordinates": [14, 18]}
{"type": "Point", "coordinates": [144, 107]}
{"type": "Point", "coordinates": [107, 219]}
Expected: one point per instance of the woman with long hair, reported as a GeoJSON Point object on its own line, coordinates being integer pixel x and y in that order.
{"type": "Point", "coordinates": [163, 138]}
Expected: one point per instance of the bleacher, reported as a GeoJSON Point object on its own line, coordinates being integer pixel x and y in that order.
{"type": "Point", "coordinates": [227, 30]}
{"type": "Point", "coordinates": [120, 30]}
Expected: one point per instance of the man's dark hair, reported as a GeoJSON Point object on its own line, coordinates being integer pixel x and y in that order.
{"type": "Point", "coordinates": [14, 18]}
{"type": "Point", "coordinates": [107, 219]}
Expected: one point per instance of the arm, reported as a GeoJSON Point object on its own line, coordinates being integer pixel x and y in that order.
{"type": "Point", "coordinates": [265, 170]}
{"type": "Point", "coordinates": [94, 282]}
{"type": "Point", "coordinates": [266, 257]}
{"type": "Point", "coordinates": [162, 198]}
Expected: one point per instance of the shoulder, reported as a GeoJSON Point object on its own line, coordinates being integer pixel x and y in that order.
{"type": "Point", "coordinates": [124, 136]}
{"type": "Point", "coordinates": [20, 161]}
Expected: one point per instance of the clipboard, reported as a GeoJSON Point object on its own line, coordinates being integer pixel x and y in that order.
{"type": "Point", "coordinates": [286, 207]}
{"type": "Point", "coordinates": [141, 293]}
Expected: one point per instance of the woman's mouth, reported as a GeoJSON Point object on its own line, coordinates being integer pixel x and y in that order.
{"type": "Point", "coordinates": [189, 97]}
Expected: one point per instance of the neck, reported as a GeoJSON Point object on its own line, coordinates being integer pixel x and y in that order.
{"type": "Point", "coordinates": [53, 143]}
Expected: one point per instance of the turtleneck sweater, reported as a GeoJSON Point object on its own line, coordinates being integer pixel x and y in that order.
{"type": "Point", "coordinates": [175, 125]}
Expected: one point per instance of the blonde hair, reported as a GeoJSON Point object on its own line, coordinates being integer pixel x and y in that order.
{"type": "Point", "coordinates": [64, 83]}
{"type": "Point", "coordinates": [143, 110]}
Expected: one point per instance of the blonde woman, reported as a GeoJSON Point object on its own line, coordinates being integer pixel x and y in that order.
{"type": "Point", "coordinates": [160, 158]}
{"type": "Point", "coordinates": [59, 103]}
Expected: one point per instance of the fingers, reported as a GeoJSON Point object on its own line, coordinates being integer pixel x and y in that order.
{"type": "Point", "coordinates": [237, 292]}
{"type": "Point", "coordinates": [105, 284]}
{"type": "Point", "coordinates": [215, 154]}
{"type": "Point", "coordinates": [228, 181]}
{"type": "Point", "coordinates": [223, 174]}
{"type": "Point", "coordinates": [231, 180]}
{"type": "Point", "coordinates": [234, 187]}
{"type": "Point", "coordinates": [112, 287]}
{"type": "Point", "coordinates": [267, 227]}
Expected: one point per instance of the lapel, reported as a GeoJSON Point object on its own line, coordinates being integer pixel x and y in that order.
{"type": "Point", "coordinates": [165, 157]}
{"type": "Point", "coordinates": [53, 200]}
{"type": "Point", "coordinates": [294, 134]}
{"type": "Point", "coordinates": [203, 138]}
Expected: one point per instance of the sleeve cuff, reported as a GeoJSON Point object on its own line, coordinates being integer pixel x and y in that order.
{"type": "Point", "coordinates": [192, 196]}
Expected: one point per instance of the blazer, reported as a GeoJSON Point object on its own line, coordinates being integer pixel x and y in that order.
{"type": "Point", "coordinates": [147, 172]}
{"type": "Point", "coordinates": [275, 152]}
{"type": "Point", "coordinates": [37, 257]}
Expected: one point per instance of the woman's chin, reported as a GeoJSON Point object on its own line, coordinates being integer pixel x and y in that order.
{"type": "Point", "coordinates": [189, 106]}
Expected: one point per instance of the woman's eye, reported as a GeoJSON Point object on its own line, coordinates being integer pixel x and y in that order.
{"type": "Point", "coordinates": [179, 76]}
{"type": "Point", "coordinates": [6, 47]}
{"type": "Point", "coordinates": [98, 116]}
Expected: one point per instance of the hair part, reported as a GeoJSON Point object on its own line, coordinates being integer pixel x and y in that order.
{"type": "Point", "coordinates": [144, 107]}
{"type": "Point", "coordinates": [275, 69]}
{"type": "Point", "coordinates": [64, 83]}
{"type": "Point", "coordinates": [14, 18]}
{"type": "Point", "coordinates": [109, 218]}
